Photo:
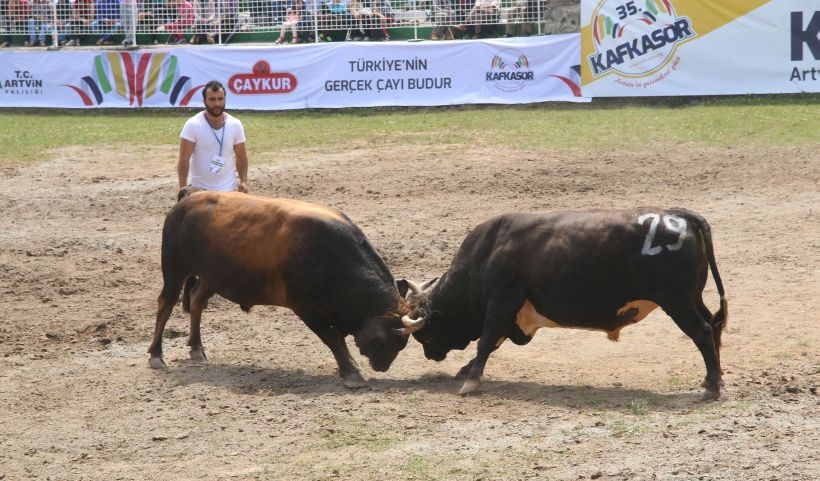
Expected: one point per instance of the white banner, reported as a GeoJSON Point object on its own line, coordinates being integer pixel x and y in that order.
{"type": "Point", "coordinates": [699, 47]}
{"type": "Point", "coordinates": [327, 75]}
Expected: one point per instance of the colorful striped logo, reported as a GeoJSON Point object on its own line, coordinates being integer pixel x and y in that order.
{"type": "Point", "coordinates": [509, 71]}
{"type": "Point", "coordinates": [135, 77]}
{"type": "Point", "coordinates": [605, 26]}
{"type": "Point", "coordinates": [636, 38]}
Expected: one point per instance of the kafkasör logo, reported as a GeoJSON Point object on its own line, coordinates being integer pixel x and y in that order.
{"type": "Point", "coordinates": [261, 81]}
{"type": "Point", "coordinates": [136, 77]}
{"type": "Point", "coordinates": [636, 40]}
{"type": "Point", "coordinates": [509, 71]}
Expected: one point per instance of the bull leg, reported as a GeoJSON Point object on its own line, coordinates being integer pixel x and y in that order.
{"type": "Point", "coordinates": [498, 318]}
{"type": "Point", "coordinates": [716, 330]}
{"type": "Point", "coordinates": [348, 369]}
{"type": "Point", "coordinates": [465, 370]}
{"type": "Point", "coordinates": [718, 323]}
{"type": "Point", "coordinates": [168, 297]}
{"type": "Point", "coordinates": [199, 295]}
{"type": "Point", "coordinates": [690, 320]}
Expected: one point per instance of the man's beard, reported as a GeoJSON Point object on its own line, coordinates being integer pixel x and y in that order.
{"type": "Point", "coordinates": [214, 111]}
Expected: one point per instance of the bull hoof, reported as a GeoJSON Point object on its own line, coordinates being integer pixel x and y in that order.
{"type": "Point", "coordinates": [198, 355]}
{"type": "Point", "coordinates": [710, 395]}
{"type": "Point", "coordinates": [471, 385]}
{"type": "Point", "coordinates": [157, 363]}
{"type": "Point", "coordinates": [712, 389]}
{"type": "Point", "coordinates": [354, 381]}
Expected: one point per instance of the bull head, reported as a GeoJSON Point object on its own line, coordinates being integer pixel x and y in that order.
{"type": "Point", "coordinates": [415, 296]}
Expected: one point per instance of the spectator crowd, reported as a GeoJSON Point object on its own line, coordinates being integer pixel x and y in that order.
{"type": "Point", "coordinates": [99, 22]}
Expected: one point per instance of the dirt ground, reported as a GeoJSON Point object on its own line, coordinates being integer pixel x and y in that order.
{"type": "Point", "coordinates": [79, 277]}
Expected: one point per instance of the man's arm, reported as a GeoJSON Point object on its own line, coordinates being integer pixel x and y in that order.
{"type": "Point", "coordinates": [186, 149]}
{"type": "Point", "coordinates": [241, 166]}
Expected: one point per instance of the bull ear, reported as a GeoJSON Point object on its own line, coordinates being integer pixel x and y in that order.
{"type": "Point", "coordinates": [411, 325]}
{"type": "Point", "coordinates": [403, 285]}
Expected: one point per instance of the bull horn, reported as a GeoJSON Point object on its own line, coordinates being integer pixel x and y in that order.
{"type": "Point", "coordinates": [411, 325]}
{"type": "Point", "coordinates": [416, 289]}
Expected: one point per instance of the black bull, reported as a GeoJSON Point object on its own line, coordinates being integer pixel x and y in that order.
{"type": "Point", "coordinates": [260, 251]}
{"type": "Point", "coordinates": [597, 269]}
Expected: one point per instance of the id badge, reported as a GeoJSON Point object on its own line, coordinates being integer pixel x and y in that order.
{"type": "Point", "coordinates": [216, 164]}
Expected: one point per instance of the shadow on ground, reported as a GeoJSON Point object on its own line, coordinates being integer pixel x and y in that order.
{"type": "Point", "coordinates": [255, 380]}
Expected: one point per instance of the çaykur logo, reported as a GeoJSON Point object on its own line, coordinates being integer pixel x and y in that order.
{"type": "Point", "coordinates": [136, 77]}
{"type": "Point", "coordinates": [636, 38]}
{"type": "Point", "coordinates": [261, 81]}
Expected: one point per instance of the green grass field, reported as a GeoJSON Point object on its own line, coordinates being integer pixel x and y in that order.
{"type": "Point", "coordinates": [604, 124]}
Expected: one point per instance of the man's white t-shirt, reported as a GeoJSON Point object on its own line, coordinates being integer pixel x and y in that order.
{"type": "Point", "coordinates": [213, 166]}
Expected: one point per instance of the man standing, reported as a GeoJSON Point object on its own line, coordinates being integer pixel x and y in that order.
{"type": "Point", "coordinates": [212, 153]}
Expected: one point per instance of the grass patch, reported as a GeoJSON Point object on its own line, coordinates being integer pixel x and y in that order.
{"type": "Point", "coordinates": [602, 125]}
{"type": "Point", "coordinates": [621, 428]}
{"type": "Point", "coordinates": [683, 382]}
{"type": "Point", "coordinates": [353, 432]}
{"type": "Point", "coordinates": [418, 468]}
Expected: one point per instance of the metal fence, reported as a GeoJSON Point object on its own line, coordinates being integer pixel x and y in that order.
{"type": "Point", "coordinates": [146, 22]}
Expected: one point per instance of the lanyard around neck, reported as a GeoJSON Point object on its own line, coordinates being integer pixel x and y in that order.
{"type": "Point", "coordinates": [213, 131]}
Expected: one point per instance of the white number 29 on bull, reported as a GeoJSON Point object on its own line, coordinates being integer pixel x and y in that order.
{"type": "Point", "coordinates": [672, 223]}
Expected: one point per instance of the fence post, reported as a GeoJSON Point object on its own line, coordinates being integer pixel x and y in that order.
{"type": "Point", "coordinates": [55, 39]}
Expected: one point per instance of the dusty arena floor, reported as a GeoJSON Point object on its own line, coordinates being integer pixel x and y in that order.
{"type": "Point", "coordinates": [79, 277]}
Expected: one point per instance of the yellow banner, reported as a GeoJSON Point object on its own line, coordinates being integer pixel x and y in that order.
{"type": "Point", "coordinates": [638, 38]}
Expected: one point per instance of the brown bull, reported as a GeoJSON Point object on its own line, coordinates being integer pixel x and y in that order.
{"type": "Point", "coordinates": [260, 251]}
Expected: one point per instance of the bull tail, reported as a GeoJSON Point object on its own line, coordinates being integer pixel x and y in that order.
{"type": "Point", "coordinates": [186, 293]}
{"type": "Point", "coordinates": [721, 317]}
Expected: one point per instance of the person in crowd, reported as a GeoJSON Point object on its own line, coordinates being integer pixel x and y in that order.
{"type": "Point", "coordinates": [228, 17]}
{"type": "Point", "coordinates": [16, 14]}
{"type": "Point", "coordinates": [443, 17]}
{"type": "Point", "coordinates": [522, 17]}
{"type": "Point", "coordinates": [277, 11]}
{"type": "Point", "coordinates": [383, 11]}
{"type": "Point", "coordinates": [107, 21]}
{"type": "Point", "coordinates": [294, 13]}
{"type": "Point", "coordinates": [79, 21]}
{"type": "Point", "coordinates": [212, 153]}
{"type": "Point", "coordinates": [205, 20]}
{"type": "Point", "coordinates": [39, 22]}
{"type": "Point", "coordinates": [483, 12]}
{"type": "Point", "coordinates": [184, 19]}
{"type": "Point", "coordinates": [334, 20]}
{"type": "Point", "coordinates": [362, 16]}
{"type": "Point", "coordinates": [150, 15]}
